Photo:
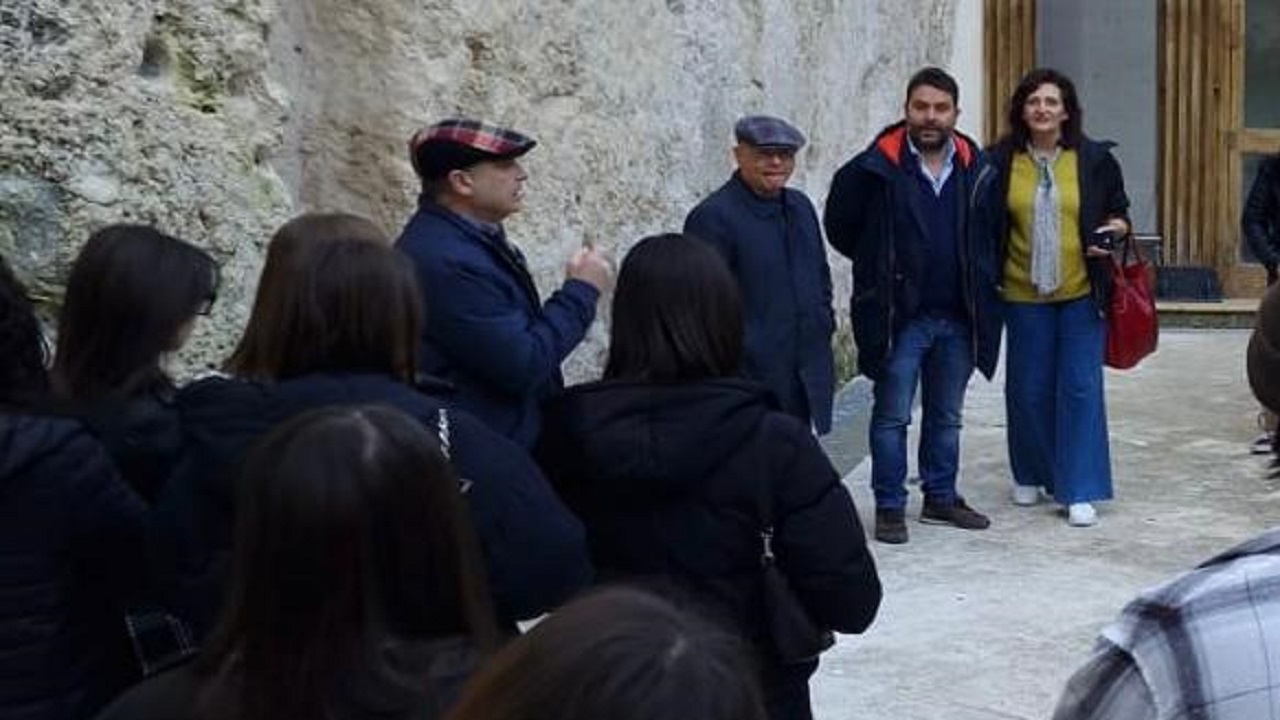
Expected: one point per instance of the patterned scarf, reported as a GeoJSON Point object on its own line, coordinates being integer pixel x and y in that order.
{"type": "Point", "coordinates": [1046, 240]}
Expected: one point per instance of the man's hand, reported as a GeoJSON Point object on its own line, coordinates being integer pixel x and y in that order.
{"type": "Point", "coordinates": [590, 267]}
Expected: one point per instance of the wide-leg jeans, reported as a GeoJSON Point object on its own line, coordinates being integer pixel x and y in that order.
{"type": "Point", "coordinates": [1054, 401]}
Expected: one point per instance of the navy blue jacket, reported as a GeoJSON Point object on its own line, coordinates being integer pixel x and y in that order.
{"type": "Point", "coordinates": [534, 548]}
{"type": "Point", "coordinates": [1102, 197]}
{"type": "Point", "coordinates": [71, 555]}
{"type": "Point", "coordinates": [774, 247]}
{"type": "Point", "coordinates": [487, 332]}
{"type": "Point", "coordinates": [873, 217]}
{"type": "Point", "coordinates": [666, 477]}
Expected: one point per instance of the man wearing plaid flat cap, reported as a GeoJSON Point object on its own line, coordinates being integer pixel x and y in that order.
{"type": "Point", "coordinates": [487, 330]}
{"type": "Point", "coordinates": [769, 235]}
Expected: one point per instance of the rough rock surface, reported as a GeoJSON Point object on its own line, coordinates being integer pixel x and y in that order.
{"type": "Point", "coordinates": [216, 119]}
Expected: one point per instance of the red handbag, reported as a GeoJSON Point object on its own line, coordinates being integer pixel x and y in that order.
{"type": "Point", "coordinates": [1133, 328]}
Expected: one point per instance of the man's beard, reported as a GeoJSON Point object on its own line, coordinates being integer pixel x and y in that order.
{"type": "Point", "coordinates": [929, 145]}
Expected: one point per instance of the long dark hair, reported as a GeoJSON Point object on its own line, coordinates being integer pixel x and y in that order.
{"type": "Point", "coordinates": [351, 539]}
{"type": "Point", "coordinates": [677, 313]}
{"type": "Point", "coordinates": [621, 654]}
{"type": "Point", "coordinates": [258, 354]}
{"type": "Point", "coordinates": [131, 291]}
{"type": "Point", "coordinates": [334, 297]}
{"type": "Point", "coordinates": [23, 350]}
{"type": "Point", "coordinates": [1072, 128]}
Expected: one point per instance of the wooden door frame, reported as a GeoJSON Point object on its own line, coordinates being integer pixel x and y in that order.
{"type": "Point", "coordinates": [1009, 52]}
{"type": "Point", "coordinates": [1200, 65]}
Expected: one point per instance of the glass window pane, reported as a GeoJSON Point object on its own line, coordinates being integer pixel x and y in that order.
{"type": "Point", "coordinates": [1262, 64]}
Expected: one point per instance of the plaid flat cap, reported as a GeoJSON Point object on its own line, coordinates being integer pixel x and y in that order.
{"type": "Point", "coordinates": [458, 143]}
{"type": "Point", "coordinates": [768, 131]}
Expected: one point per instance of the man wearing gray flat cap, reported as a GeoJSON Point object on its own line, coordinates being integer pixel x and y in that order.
{"type": "Point", "coordinates": [770, 236]}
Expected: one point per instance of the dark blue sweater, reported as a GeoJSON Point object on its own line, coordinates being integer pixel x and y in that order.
{"type": "Point", "coordinates": [940, 294]}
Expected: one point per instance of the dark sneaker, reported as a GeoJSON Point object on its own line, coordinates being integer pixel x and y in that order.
{"type": "Point", "coordinates": [891, 526]}
{"type": "Point", "coordinates": [1264, 444]}
{"type": "Point", "coordinates": [958, 514]}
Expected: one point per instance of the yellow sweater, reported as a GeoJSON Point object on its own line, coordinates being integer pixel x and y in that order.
{"type": "Point", "coordinates": [1022, 195]}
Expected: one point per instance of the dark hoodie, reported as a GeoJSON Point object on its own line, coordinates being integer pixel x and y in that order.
{"type": "Point", "coordinates": [665, 479]}
{"type": "Point", "coordinates": [70, 556]}
{"type": "Point", "coordinates": [535, 551]}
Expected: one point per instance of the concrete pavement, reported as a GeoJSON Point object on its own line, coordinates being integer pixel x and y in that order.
{"type": "Point", "coordinates": [989, 625]}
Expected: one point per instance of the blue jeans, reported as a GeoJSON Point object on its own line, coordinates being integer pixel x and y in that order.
{"type": "Point", "coordinates": [938, 355]}
{"type": "Point", "coordinates": [1057, 414]}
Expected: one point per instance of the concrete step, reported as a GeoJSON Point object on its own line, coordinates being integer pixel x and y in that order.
{"type": "Point", "coordinates": [1228, 313]}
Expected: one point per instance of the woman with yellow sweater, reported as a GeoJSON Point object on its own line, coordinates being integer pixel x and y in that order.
{"type": "Point", "coordinates": [1065, 209]}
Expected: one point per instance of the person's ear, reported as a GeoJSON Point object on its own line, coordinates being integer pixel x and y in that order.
{"type": "Point", "coordinates": [460, 182]}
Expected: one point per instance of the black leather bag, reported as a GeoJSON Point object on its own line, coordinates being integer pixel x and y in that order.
{"type": "Point", "coordinates": [795, 636]}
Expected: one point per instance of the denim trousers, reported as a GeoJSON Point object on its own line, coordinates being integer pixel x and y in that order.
{"type": "Point", "coordinates": [1056, 410]}
{"type": "Point", "coordinates": [937, 354]}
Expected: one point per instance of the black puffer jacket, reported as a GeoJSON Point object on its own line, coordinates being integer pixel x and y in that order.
{"type": "Point", "coordinates": [665, 477]}
{"type": "Point", "coordinates": [534, 548]}
{"type": "Point", "coordinates": [70, 555]}
{"type": "Point", "coordinates": [142, 434]}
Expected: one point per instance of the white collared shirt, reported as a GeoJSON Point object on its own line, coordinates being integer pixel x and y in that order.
{"type": "Point", "coordinates": [948, 164]}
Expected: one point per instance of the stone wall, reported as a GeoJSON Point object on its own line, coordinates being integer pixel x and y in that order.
{"type": "Point", "coordinates": [217, 119]}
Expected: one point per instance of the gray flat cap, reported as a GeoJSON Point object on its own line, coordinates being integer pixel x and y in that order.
{"type": "Point", "coordinates": [768, 131]}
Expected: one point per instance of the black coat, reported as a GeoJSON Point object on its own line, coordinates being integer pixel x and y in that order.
{"type": "Point", "coordinates": [535, 550]}
{"type": "Point", "coordinates": [1260, 221]}
{"type": "Point", "coordinates": [1102, 197]}
{"type": "Point", "coordinates": [774, 247]}
{"type": "Point", "coordinates": [71, 556]}
{"type": "Point", "coordinates": [442, 665]}
{"type": "Point", "coordinates": [872, 219]}
{"type": "Point", "coordinates": [142, 434]}
{"type": "Point", "coordinates": [665, 479]}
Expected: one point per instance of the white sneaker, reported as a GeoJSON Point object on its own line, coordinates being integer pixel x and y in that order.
{"type": "Point", "coordinates": [1026, 495]}
{"type": "Point", "coordinates": [1081, 515]}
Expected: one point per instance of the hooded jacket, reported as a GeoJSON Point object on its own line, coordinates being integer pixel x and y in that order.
{"type": "Point", "coordinates": [666, 479]}
{"type": "Point", "coordinates": [71, 556]}
{"type": "Point", "coordinates": [873, 218]}
{"type": "Point", "coordinates": [534, 548]}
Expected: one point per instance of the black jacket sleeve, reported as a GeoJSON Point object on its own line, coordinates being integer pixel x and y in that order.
{"type": "Point", "coordinates": [820, 542]}
{"type": "Point", "coordinates": [535, 548]}
{"type": "Point", "coordinates": [1115, 200]}
{"type": "Point", "coordinates": [106, 517]}
{"type": "Point", "coordinates": [843, 215]}
{"type": "Point", "coordinates": [703, 224]}
{"type": "Point", "coordinates": [1260, 213]}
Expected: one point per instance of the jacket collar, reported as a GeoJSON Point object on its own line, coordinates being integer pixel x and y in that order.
{"type": "Point", "coordinates": [760, 206]}
{"type": "Point", "coordinates": [892, 145]}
